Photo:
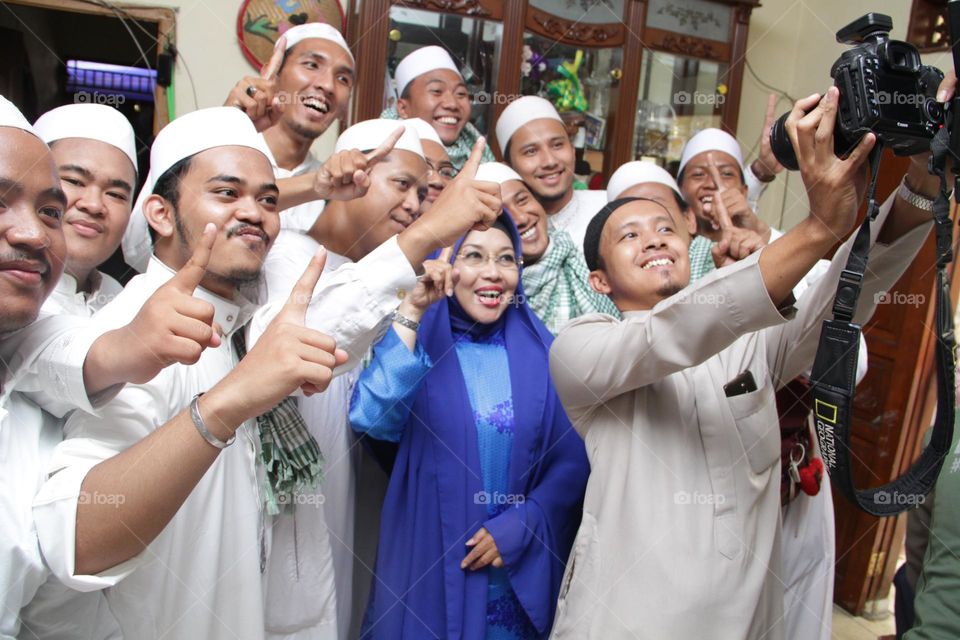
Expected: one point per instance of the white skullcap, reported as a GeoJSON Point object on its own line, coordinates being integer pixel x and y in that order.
{"type": "Point", "coordinates": [711, 140]}
{"type": "Point", "coordinates": [320, 30]}
{"type": "Point", "coordinates": [496, 172]}
{"type": "Point", "coordinates": [370, 134]}
{"type": "Point", "coordinates": [10, 116]}
{"type": "Point", "coordinates": [92, 121]}
{"type": "Point", "coordinates": [520, 112]}
{"type": "Point", "coordinates": [418, 62]}
{"type": "Point", "coordinates": [424, 129]}
{"type": "Point", "coordinates": [638, 172]}
{"type": "Point", "coordinates": [186, 136]}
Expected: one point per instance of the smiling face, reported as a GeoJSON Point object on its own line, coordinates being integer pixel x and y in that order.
{"type": "Point", "coordinates": [699, 188]}
{"type": "Point", "coordinates": [233, 187]}
{"type": "Point", "coordinates": [530, 218]}
{"type": "Point", "coordinates": [440, 171]}
{"type": "Point", "coordinates": [486, 286]}
{"type": "Point", "coordinates": [439, 97]}
{"type": "Point", "coordinates": [32, 248]}
{"type": "Point", "coordinates": [314, 83]}
{"type": "Point", "coordinates": [391, 204]}
{"type": "Point", "coordinates": [643, 256]}
{"type": "Point", "coordinates": [541, 152]}
{"type": "Point", "coordinates": [99, 180]}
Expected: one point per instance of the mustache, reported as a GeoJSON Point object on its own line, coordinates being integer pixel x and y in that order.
{"type": "Point", "coordinates": [35, 259]}
{"type": "Point", "coordinates": [248, 228]}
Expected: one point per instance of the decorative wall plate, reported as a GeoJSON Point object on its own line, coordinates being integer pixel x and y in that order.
{"type": "Point", "coordinates": [260, 23]}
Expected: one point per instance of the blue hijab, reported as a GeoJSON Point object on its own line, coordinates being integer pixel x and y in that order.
{"type": "Point", "coordinates": [431, 510]}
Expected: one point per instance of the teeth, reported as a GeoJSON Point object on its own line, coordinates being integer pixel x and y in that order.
{"type": "Point", "coordinates": [529, 233]}
{"type": "Point", "coordinates": [316, 104]}
{"type": "Point", "coordinates": [447, 120]}
{"type": "Point", "coordinates": [488, 294]}
{"type": "Point", "coordinates": [660, 262]}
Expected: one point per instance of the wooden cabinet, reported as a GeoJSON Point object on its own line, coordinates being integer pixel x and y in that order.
{"type": "Point", "coordinates": [653, 72]}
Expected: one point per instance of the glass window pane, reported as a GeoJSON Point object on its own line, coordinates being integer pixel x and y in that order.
{"type": "Point", "coordinates": [698, 18]}
{"type": "Point", "coordinates": [589, 105]}
{"type": "Point", "coordinates": [583, 11]}
{"type": "Point", "coordinates": [678, 96]}
{"type": "Point", "coordinates": [473, 43]}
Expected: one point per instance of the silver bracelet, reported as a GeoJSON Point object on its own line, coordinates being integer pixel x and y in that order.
{"type": "Point", "coordinates": [202, 428]}
{"type": "Point", "coordinates": [913, 198]}
{"type": "Point", "coordinates": [402, 320]}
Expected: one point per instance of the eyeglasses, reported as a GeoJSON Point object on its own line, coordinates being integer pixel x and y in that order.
{"type": "Point", "coordinates": [445, 170]}
{"type": "Point", "coordinates": [505, 261]}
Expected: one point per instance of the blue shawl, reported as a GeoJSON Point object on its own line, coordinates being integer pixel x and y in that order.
{"type": "Point", "coordinates": [431, 509]}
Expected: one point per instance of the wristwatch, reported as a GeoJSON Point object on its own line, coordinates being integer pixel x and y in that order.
{"type": "Point", "coordinates": [913, 198]}
{"type": "Point", "coordinates": [413, 325]}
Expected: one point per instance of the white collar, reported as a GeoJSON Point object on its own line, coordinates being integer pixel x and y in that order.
{"type": "Point", "coordinates": [229, 314]}
{"type": "Point", "coordinates": [310, 162]}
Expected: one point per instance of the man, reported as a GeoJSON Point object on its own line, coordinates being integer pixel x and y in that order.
{"type": "Point", "coordinates": [676, 403]}
{"type": "Point", "coordinates": [303, 89]}
{"type": "Point", "coordinates": [440, 170]}
{"type": "Point", "coordinates": [711, 167]}
{"type": "Point", "coordinates": [534, 142]}
{"type": "Point", "coordinates": [155, 467]}
{"type": "Point", "coordinates": [32, 252]}
{"type": "Point", "coordinates": [95, 151]}
{"type": "Point", "coordinates": [431, 88]}
{"type": "Point", "coordinates": [554, 273]}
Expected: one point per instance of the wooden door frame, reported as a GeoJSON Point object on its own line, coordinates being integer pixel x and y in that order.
{"type": "Point", "coordinates": [164, 17]}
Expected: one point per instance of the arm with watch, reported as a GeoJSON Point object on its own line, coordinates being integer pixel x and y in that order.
{"type": "Point", "coordinates": [385, 390]}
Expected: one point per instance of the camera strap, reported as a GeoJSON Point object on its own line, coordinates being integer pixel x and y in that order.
{"type": "Point", "coordinates": [835, 366]}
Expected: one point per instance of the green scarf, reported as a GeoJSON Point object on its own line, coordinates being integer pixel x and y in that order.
{"type": "Point", "coordinates": [557, 287]}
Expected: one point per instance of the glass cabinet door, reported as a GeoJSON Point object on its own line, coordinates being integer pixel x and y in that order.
{"type": "Point", "coordinates": [474, 44]}
{"type": "Point", "coordinates": [582, 83]}
{"type": "Point", "coordinates": [678, 96]}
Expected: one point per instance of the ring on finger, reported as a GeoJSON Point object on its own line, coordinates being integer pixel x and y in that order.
{"type": "Point", "coordinates": [250, 90]}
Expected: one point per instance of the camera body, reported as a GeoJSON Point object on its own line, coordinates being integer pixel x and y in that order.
{"type": "Point", "coordinates": [884, 89]}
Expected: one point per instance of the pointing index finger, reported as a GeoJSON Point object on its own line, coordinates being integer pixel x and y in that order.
{"type": "Point", "coordinates": [469, 170]}
{"type": "Point", "coordinates": [381, 152]}
{"type": "Point", "coordinates": [190, 275]}
{"type": "Point", "coordinates": [445, 254]}
{"type": "Point", "coordinates": [302, 292]}
{"type": "Point", "coordinates": [269, 71]}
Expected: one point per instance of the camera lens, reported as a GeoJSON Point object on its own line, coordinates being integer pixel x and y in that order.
{"type": "Point", "coordinates": [780, 144]}
{"type": "Point", "coordinates": [933, 110]}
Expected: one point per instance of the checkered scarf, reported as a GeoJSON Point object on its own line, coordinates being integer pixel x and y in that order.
{"type": "Point", "coordinates": [459, 151]}
{"type": "Point", "coordinates": [701, 257]}
{"type": "Point", "coordinates": [557, 287]}
{"type": "Point", "coordinates": [290, 454]}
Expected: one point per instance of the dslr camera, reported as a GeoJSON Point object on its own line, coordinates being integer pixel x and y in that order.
{"type": "Point", "coordinates": [883, 88]}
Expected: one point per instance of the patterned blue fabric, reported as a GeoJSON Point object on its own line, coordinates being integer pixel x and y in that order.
{"type": "Point", "coordinates": [492, 404]}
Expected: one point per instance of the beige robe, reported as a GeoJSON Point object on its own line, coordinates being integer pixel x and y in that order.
{"type": "Point", "coordinates": [680, 536]}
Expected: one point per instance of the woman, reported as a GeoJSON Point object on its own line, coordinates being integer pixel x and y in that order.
{"type": "Point", "coordinates": [555, 274]}
{"type": "Point", "coordinates": [486, 489]}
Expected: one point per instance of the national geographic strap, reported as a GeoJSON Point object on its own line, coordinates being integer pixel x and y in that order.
{"type": "Point", "coordinates": [835, 365]}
